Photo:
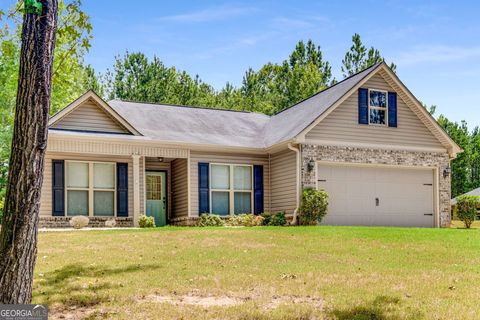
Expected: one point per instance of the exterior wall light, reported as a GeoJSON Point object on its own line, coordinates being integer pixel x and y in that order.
{"type": "Point", "coordinates": [447, 171]}
{"type": "Point", "coordinates": [310, 165]}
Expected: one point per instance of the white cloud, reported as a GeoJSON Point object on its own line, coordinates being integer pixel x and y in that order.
{"type": "Point", "coordinates": [435, 54]}
{"type": "Point", "coordinates": [211, 14]}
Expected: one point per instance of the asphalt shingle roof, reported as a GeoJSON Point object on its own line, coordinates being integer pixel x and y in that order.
{"type": "Point", "coordinates": [231, 128]}
{"type": "Point", "coordinates": [474, 192]}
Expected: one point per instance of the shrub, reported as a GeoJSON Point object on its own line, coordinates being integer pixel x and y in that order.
{"type": "Point", "coordinates": [79, 222]}
{"type": "Point", "coordinates": [210, 220]}
{"type": "Point", "coordinates": [467, 209]}
{"type": "Point", "coordinates": [277, 219]}
{"type": "Point", "coordinates": [314, 207]}
{"type": "Point", "coordinates": [245, 220]}
{"type": "Point", "coordinates": [146, 222]}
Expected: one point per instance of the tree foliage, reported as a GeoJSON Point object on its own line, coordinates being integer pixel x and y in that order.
{"type": "Point", "coordinates": [70, 77]}
{"type": "Point", "coordinates": [466, 167]}
{"type": "Point", "coordinates": [359, 57]}
{"type": "Point", "coordinates": [271, 89]}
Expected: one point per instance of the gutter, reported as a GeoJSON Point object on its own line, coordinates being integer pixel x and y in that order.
{"type": "Point", "coordinates": [298, 181]}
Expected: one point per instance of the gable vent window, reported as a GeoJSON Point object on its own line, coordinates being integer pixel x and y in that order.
{"type": "Point", "coordinates": [377, 107]}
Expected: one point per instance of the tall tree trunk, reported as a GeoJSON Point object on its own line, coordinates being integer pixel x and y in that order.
{"type": "Point", "coordinates": [18, 237]}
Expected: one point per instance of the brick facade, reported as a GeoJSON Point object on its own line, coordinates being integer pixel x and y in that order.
{"type": "Point", "coordinates": [378, 156]}
{"type": "Point", "coordinates": [95, 222]}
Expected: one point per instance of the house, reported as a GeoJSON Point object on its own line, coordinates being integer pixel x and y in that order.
{"type": "Point", "coordinates": [366, 140]}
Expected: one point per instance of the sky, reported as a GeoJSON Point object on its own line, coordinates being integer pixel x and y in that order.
{"type": "Point", "coordinates": [435, 44]}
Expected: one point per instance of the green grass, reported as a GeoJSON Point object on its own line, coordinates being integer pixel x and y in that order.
{"type": "Point", "coordinates": [358, 273]}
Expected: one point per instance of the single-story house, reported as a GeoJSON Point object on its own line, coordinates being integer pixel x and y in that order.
{"type": "Point", "coordinates": [366, 140]}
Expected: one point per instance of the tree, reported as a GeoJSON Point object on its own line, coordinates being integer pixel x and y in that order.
{"type": "Point", "coordinates": [70, 78]}
{"type": "Point", "coordinates": [359, 58]}
{"type": "Point", "coordinates": [18, 237]}
{"type": "Point", "coordinates": [461, 166]}
{"type": "Point", "coordinates": [277, 86]}
{"type": "Point", "coordinates": [467, 209]}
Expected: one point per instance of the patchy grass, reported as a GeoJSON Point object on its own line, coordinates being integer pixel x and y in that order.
{"type": "Point", "coordinates": [260, 273]}
{"type": "Point", "coordinates": [457, 224]}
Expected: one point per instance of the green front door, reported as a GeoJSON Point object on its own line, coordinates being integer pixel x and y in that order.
{"type": "Point", "coordinates": [156, 187]}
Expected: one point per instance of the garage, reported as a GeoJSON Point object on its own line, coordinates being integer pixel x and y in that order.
{"type": "Point", "coordinates": [378, 195]}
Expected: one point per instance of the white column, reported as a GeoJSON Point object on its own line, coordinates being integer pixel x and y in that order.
{"type": "Point", "coordinates": [136, 188]}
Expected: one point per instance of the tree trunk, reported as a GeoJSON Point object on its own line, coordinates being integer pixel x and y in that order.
{"type": "Point", "coordinates": [18, 237]}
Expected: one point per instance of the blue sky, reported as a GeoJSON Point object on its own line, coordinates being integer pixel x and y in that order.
{"type": "Point", "coordinates": [435, 44]}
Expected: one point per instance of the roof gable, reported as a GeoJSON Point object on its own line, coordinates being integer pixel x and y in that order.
{"type": "Point", "coordinates": [341, 126]}
{"type": "Point", "coordinates": [403, 93]}
{"type": "Point", "coordinates": [90, 113]}
{"type": "Point", "coordinates": [291, 122]}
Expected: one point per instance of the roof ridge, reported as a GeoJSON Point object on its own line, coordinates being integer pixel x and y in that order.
{"type": "Point", "coordinates": [190, 107]}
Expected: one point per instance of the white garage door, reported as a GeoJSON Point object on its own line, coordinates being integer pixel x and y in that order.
{"type": "Point", "coordinates": [377, 195]}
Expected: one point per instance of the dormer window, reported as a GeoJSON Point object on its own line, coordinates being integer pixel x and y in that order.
{"type": "Point", "coordinates": [377, 107]}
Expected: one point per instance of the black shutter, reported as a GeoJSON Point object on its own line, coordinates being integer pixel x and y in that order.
{"type": "Point", "coordinates": [258, 189]}
{"type": "Point", "coordinates": [122, 189]}
{"type": "Point", "coordinates": [363, 106]}
{"type": "Point", "coordinates": [392, 109]}
{"type": "Point", "coordinates": [58, 188]}
{"type": "Point", "coordinates": [203, 188]}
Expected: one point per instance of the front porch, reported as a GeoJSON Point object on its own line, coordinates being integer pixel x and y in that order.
{"type": "Point", "coordinates": [165, 189]}
{"type": "Point", "coordinates": [154, 182]}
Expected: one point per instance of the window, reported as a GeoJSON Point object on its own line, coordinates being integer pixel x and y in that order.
{"type": "Point", "coordinates": [231, 189]}
{"type": "Point", "coordinates": [377, 107]}
{"type": "Point", "coordinates": [91, 188]}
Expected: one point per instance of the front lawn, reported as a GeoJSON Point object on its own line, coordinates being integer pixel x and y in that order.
{"type": "Point", "coordinates": [261, 273]}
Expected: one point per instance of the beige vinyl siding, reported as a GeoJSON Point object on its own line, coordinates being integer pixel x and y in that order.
{"type": "Point", "coordinates": [283, 179]}
{"type": "Point", "coordinates": [179, 188]}
{"type": "Point", "coordinates": [154, 165]}
{"type": "Point", "coordinates": [46, 198]}
{"type": "Point", "coordinates": [227, 158]}
{"type": "Point", "coordinates": [89, 117]}
{"type": "Point", "coordinates": [342, 125]}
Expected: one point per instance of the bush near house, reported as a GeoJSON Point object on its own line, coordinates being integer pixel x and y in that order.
{"type": "Point", "coordinates": [210, 220]}
{"type": "Point", "coordinates": [244, 220]}
{"type": "Point", "coordinates": [146, 222]}
{"type": "Point", "coordinates": [79, 222]}
{"type": "Point", "coordinates": [314, 207]}
{"type": "Point", "coordinates": [274, 219]}
{"type": "Point", "coordinates": [467, 209]}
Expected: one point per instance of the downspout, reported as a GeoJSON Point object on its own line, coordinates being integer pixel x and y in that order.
{"type": "Point", "coordinates": [298, 181]}
{"type": "Point", "coordinates": [269, 182]}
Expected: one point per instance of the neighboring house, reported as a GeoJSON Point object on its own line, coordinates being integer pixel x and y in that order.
{"type": "Point", "coordinates": [453, 201]}
{"type": "Point", "coordinates": [366, 140]}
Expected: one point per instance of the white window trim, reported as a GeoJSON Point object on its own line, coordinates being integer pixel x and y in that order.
{"type": "Point", "coordinates": [231, 191]}
{"type": "Point", "coordinates": [91, 189]}
{"type": "Point", "coordinates": [378, 108]}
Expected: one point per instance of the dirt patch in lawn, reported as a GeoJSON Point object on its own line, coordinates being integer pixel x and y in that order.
{"type": "Point", "coordinates": [77, 313]}
{"type": "Point", "coordinates": [226, 301]}
{"type": "Point", "coordinates": [190, 299]}
{"type": "Point", "coordinates": [279, 300]}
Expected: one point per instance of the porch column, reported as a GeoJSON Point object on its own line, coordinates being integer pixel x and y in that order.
{"type": "Point", "coordinates": [136, 189]}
